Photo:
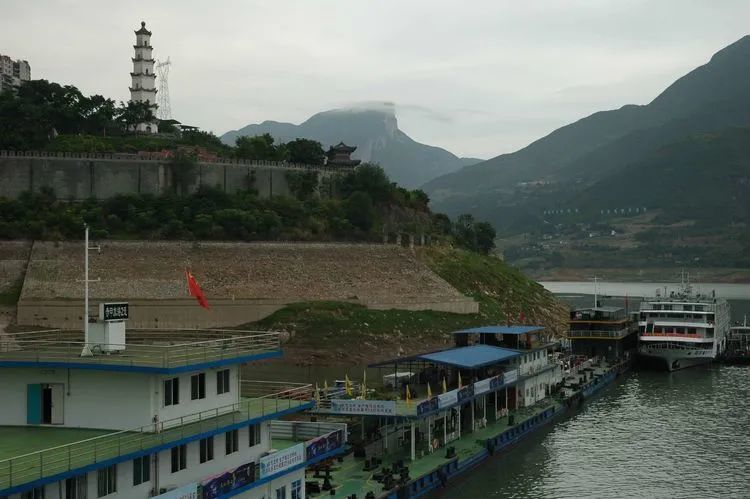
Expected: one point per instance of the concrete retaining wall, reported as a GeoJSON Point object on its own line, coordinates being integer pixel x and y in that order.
{"type": "Point", "coordinates": [81, 176]}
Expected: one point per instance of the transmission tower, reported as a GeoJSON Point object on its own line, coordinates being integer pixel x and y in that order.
{"type": "Point", "coordinates": [164, 111]}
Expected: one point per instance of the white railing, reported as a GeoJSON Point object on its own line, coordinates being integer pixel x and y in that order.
{"type": "Point", "coordinates": [598, 333]}
{"type": "Point", "coordinates": [164, 349]}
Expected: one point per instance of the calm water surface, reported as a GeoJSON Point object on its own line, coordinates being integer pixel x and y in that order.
{"type": "Point", "coordinates": [650, 435]}
{"type": "Point", "coordinates": [653, 434]}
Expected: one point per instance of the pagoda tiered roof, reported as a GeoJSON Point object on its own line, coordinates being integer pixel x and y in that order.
{"type": "Point", "coordinates": [143, 30]}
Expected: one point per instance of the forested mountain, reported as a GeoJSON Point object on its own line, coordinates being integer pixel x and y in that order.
{"type": "Point", "coordinates": [610, 155]}
{"type": "Point", "coordinates": [377, 137]}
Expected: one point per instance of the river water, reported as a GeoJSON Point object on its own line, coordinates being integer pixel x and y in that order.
{"type": "Point", "coordinates": [650, 435]}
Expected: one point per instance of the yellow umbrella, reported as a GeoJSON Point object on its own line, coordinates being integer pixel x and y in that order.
{"type": "Point", "coordinates": [408, 396]}
{"type": "Point", "coordinates": [317, 395]}
{"type": "Point", "coordinates": [429, 391]}
{"type": "Point", "coordinates": [347, 385]}
{"type": "Point", "coordinates": [460, 385]}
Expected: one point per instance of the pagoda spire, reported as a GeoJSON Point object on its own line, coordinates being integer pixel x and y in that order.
{"type": "Point", "coordinates": [143, 78]}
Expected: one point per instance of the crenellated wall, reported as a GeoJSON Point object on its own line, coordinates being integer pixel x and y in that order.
{"type": "Point", "coordinates": [81, 176]}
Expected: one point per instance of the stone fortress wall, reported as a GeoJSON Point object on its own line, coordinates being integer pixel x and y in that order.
{"type": "Point", "coordinates": [103, 175]}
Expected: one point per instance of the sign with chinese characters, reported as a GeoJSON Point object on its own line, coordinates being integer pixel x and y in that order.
{"type": "Point", "coordinates": [511, 376]}
{"type": "Point", "coordinates": [323, 444]}
{"type": "Point", "coordinates": [113, 311]}
{"type": "Point", "coordinates": [222, 484]}
{"type": "Point", "coordinates": [482, 386]}
{"type": "Point", "coordinates": [189, 491]}
{"type": "Point", "coordinates": [448, 399]}
{"type": "Point", "coordinates": [364, 407]}
{"type": "Point", "coordinates": [427, 406]}
{"type": "Point", "coordinates": [465, 393]}
{"type": "Point", "coordinates": [488, 385]}
{"type": "Point", "coordinates": [282, 460]}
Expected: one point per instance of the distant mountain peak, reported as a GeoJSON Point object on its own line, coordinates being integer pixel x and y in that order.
{"type": "Point", "coordinates": [373, 128]}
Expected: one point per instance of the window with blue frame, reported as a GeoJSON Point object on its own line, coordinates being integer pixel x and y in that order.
{"type": "Point", "coordinates": [297, 489]}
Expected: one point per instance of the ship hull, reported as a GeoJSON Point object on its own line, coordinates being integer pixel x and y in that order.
{"type": "Point", "coordinates": [673, 359]}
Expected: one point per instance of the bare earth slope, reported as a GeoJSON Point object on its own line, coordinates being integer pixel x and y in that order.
{"type": "Point", "coordinates": [368, 274]}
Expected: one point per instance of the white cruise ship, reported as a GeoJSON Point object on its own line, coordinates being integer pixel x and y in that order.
{"type": "Point", "coordinates": [681, 329]}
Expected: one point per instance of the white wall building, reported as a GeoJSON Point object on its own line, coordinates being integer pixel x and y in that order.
{"type": "Point", "coordinates": [143, 78]}
{"type": "Point", "coordinates": [160, 416]}
{"type": "Point", "coordinates": [13, 73]}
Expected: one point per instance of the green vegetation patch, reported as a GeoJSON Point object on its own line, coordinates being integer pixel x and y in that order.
{"type": "Point", "coordinates": [352, 332]}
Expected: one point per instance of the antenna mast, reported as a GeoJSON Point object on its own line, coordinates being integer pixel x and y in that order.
{"type": "Point", "coordinates": [86, 352]}
{"type": "Point", "coordinates": [164, 111]}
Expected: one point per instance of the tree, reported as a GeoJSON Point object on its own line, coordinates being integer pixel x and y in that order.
{"type": "Point", "coordinates": [305, 151]}
{"type": "Point", "coordinates": [182, 166]}
{"type": "Point", "coordinates": [133, 113]}
{"type": "Point", "coordinates": [259, 147]}
{"type": "Point", "coordinates": [371, 179]}
{"type": "Point", "coordinates": [360, 211]}
{"type": "Point", "coordinates": [485, 237]}
{"type": "Point", "coordinates": [303, 184]}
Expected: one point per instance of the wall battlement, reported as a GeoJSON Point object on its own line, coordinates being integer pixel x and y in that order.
{"type": "Point", "coordinates": [79, 176]}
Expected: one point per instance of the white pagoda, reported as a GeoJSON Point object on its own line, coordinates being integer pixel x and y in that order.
{"type": "Point", "coordinates": [143, 85]}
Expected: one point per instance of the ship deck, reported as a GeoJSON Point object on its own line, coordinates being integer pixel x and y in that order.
{"type": "Point", "coordinates": [349, 478]}
{"type": "Point", "coordinates": [28, 454]}
{"type": "Point", "coordinates": [159, 351]}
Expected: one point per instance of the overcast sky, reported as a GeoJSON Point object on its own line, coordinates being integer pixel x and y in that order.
{"type": "Point", "coordinates": [479, 78]}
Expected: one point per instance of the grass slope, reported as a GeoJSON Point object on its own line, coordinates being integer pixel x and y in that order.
{"type": "Point", "coordinates": [344, 333]}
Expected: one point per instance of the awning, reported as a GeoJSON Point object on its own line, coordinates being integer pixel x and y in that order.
{"type": "Point", "coordinates": [471, 357]}
{"type": "Point", "coordinates": [501, 330]}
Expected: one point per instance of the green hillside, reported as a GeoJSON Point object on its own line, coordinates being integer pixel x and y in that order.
{"type": "Point", "coordinates": [567, 162]}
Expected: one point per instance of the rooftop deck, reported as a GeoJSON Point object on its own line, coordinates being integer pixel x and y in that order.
{"type": "Point", "coordinates": [30, 454]}
{"type": "Point", "coordinates": [163, 351]}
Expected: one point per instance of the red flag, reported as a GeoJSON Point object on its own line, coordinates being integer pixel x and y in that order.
{"type": "Point", "coordinates": [521, 317]}
{"type": "Point", "coordinates": [195, 290]}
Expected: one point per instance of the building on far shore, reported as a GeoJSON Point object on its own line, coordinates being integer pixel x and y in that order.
{"type": "Point", "coordinates": [13, 73]}
{"type": "Point", "coordinates": [143, 84]}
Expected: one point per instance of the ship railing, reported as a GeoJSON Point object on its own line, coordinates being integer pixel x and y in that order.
{"type": "Point", "coordinates": [673, 345]}
{"type": "Point", "coordinates": [303, 431]}
{"type": "Point", "coordinates": [64, 458]}
{"type": "Point", "coordinates": [599, 333]}
{"type": "Point", "coordinates": [276, 389]}
{"type": "Point", "coordinates": [153, 349]}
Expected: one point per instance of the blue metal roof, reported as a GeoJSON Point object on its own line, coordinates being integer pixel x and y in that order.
{"type": "Point", "coordinates": [470, 357]}
{"type": "Point", "coordinates": [501, 330]}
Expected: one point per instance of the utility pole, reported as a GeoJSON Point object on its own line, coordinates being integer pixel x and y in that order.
{"type": "Point", "coordinates": [86, 352]}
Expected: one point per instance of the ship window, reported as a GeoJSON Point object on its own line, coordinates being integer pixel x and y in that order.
{"type": "Point", "coordinates": [254, 434]}
{"type": "Point", "coordinates": [76, 487]}
{"type": "Point", "coordinates": [231, 441]}
{"type": "Point", "coordinates": [141, 470]}
{"type": "Point", "coordinates": [281, 492]}
{"type": "Point", "coordinates": [222, 381]}
{"type": "Point", "coordinates": [35, 493]}
{"type": "Point", "coordinates": [171, 391]}
{"type": "Point", "coordinates": [179, 458]}
{"type": "Point", "coordinates": [297, 489]}
{"type": "Point", "coordinates": [106, 481]}
{"type": "Point", "coordinates": [198, 386]}
{"type": "Point", "coordinates": [207, 449]}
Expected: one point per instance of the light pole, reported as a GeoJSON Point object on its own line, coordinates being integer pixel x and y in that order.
{"type": "Point", "coordinates": [86, 352]}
